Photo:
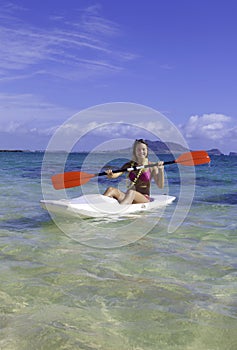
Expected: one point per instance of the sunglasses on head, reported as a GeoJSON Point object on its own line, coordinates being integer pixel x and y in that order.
{"type": "Point", "coordinates": [141, 141]}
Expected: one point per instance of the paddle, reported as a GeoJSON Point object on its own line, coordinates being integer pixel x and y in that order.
{"type": "Point", "coordinates": [78, 178]}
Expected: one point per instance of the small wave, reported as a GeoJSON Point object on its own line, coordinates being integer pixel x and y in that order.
{"type": "Point", "coordinates": [227, 198]}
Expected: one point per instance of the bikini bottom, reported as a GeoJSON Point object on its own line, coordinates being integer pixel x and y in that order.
{"type": "Point", "coordinates": [148, 197]}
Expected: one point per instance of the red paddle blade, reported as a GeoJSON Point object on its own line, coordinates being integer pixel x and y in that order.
{"type": "Point", "coordinates": [70, 179]}
{"type": "Point", "coordinates": [193, 158]}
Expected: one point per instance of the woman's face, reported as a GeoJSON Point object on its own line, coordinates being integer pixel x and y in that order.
{"type": "Point", "coordinates": [141, 151]}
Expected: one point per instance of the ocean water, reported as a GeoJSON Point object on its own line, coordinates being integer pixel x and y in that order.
{"type": "Point", "coordinates": [166, 290]}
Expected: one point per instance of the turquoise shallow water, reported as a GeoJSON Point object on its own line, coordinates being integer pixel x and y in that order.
{"type": "Point", "coordinates": [165, 291]}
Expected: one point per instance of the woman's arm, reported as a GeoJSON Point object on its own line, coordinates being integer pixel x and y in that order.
{"type": "Point", "coordinates": [158, 174]}
{"type": "Point", "coordinates": [111, 175]}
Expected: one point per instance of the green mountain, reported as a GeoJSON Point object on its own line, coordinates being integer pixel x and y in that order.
{"type": "Point", "coordinates": [166, 147]}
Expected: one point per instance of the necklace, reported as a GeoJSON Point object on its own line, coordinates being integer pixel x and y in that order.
{"type": "Point", "coordinates": [133, 182]}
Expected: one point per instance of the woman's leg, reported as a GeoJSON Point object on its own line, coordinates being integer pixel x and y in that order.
{"type": "Point", "coordinates": [133, 196]}
{"type": "Point", "coordinates": [114, 193]}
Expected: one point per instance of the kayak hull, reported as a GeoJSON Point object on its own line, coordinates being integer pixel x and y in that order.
{"type": "Point", "coordinates": [96, 205]}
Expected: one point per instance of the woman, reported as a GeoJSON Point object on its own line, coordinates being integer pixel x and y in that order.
{"type": "Point", "coordinates": [139, 188]}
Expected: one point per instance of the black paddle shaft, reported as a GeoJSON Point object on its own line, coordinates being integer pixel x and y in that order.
{"type": "Point", "coordinates": [136, 168]}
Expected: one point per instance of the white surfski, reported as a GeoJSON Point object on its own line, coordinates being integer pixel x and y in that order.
{"type": "Point", "coordinates": [96, 205]}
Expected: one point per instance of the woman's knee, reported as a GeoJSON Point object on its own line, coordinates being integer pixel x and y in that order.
{"type": "Point", "coordinates": [130, 193]}
{"type": "Point", "coordinates": [110, 190]}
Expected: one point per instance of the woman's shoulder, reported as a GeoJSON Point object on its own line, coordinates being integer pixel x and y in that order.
{"type": "Point", "coordinates": [129, 164]}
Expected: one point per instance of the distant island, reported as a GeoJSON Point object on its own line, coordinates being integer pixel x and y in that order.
{"type": "Point", "coordinates": [214, 152]}
{"type": "Point", "coordinates": [21, 151]}
{"type": "Point", "coordinates": [156, 146]}
{"type": "Point", "coordinates": [172, 147]}
{"type": "Point", "coordinates": [11, 150]}
{"type": "Point", "coordinates": [166, 147]}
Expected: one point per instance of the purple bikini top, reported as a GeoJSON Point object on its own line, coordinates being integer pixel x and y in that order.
{"type": "Point", "coordinates": [145, 176]}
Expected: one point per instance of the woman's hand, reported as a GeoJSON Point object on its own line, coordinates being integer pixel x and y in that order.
{"type": "Point", "coordinates": [160, 165]}
{"type": "Point", "coordinates": [109, 173]}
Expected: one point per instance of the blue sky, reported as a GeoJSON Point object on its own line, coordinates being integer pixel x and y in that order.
{"type": "Point", "coordinates": [60, 57]}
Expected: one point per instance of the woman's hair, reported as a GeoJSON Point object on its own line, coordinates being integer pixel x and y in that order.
{"type": "Point", "coordinates": [136, 142]}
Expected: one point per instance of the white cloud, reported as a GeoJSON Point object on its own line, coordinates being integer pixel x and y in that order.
{"type": "Point", "coordinates": [25, 113]}
{"type": "Point", "coordinates": [211, 126]}
{"type": "Point", "coordinates": [118, 120]}
{"type": "Point", "coordinates": [121, 128]}
{"type": "Point", "coordinates": [82, 45]}
{"type": "Point", "coordinates": [211, 130]}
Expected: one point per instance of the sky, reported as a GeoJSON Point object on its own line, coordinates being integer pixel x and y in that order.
{"type": "Point", "coordinates": [58, 58]}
